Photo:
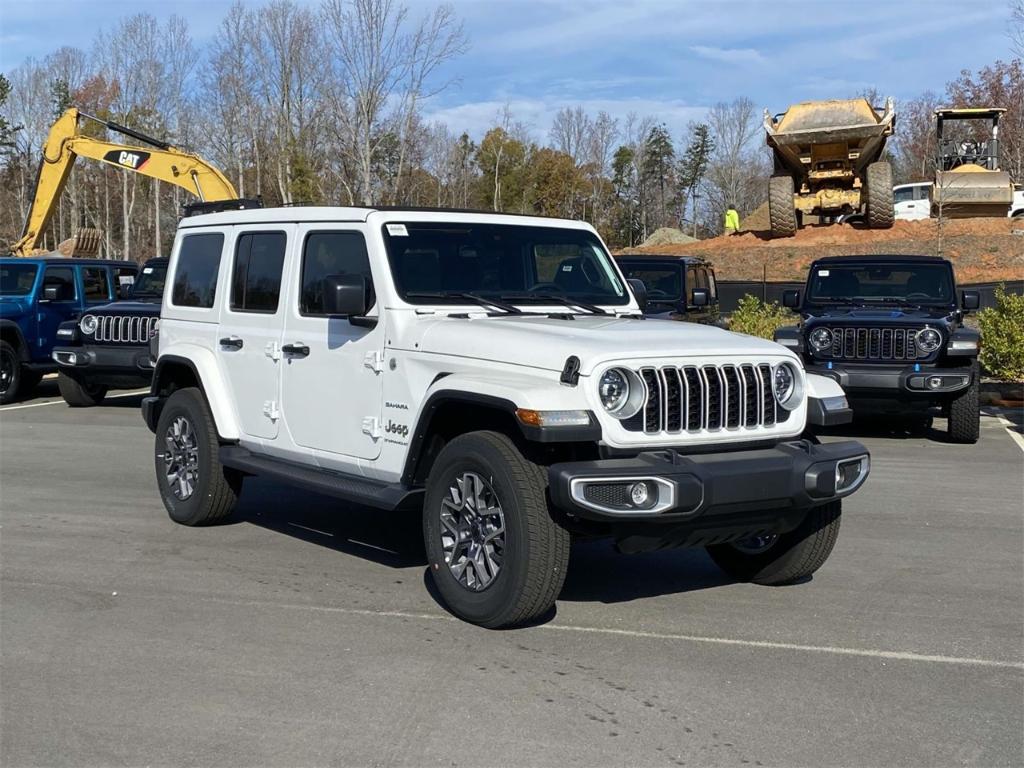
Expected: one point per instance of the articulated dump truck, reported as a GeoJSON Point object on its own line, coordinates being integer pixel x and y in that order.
{"type": "Point", "coordinates": [826, 158]}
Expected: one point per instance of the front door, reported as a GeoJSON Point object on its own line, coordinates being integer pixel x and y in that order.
{"type": "Point", "coordinates": [331, 378]}
{"type": "Point", "coordinates": [249, 338]}
{"type": "Point", "coordinates": [66, 305]}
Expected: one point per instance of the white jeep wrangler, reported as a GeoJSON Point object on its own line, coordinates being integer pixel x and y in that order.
{"type": "Point", "coordinates": [496, 372]}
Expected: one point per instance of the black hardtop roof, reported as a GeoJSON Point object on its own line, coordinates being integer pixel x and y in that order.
{"type": "Point", "coordinates": [157, 260]}
{"type": "Point", "coordinates": [880, 259]}
{"type": "Point", "coordinates": [662, 257]}
{"type": "Point", "coordinates": [68, 261]}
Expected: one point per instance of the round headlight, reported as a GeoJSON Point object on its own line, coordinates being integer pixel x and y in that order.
{"type": "Point", "coordinates": [821, 339]}
{"type": "Point", "coordinates": [786, 386]}
{"type": "Point", "coordinates": [621, 392]}
{"type": "Point", "coordinates": [928, 340]}
{"type": "Point", "coordinates": [88, 324]}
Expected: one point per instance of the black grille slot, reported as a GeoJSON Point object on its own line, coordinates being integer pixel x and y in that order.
{"type": "Point", "coordinates": [694, 398]}
{"type": "Point", "coordinates": [714, 389]}
{"type": "Point", "coordinates": [673, 399]}
{"type": "Point", "coordinates": [733, 401]}
{"type": "Point", "coordinates": [652, 408]}
{"type": "Point", "coordinates": [751, 402]}
{"type": "Point", "coordinates": [767, 395]}
{"type": "Point", "coordinates": [608, 494]}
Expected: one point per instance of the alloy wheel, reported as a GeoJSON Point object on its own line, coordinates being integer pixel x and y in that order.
{"type": "Point", "coordinates": [181, 458]}
{"type": "Point", "coordinates": [472, 532]}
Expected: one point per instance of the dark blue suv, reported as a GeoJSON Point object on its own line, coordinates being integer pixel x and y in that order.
{"type": "Point", "coordinates": [36, 296]}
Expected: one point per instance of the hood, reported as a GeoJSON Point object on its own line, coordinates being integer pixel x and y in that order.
{"type": "Point", "coordinates": [13, 306]}
{"type": "Point", "coordinates": [543, 342]}
{"type": "Point", "coordinates": [895, 315]}
{"type": "Point", "coordinates": [131, 307]}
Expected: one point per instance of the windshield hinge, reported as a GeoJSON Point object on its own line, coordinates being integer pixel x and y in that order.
{"type": "Point", "coordinates": [371, 427]}
{"type": "Point", "coordinates": [374, 361]}
{"type": "Point", "coordinates": [272, 350]}
{"type": "Point", "coordinates": [270, 410]}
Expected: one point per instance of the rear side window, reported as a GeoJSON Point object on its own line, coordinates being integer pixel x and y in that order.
{"type": "Point", "coordinates": [330, 253]}
{"type": "Point", "coordinates": [61, 278]}
{"type": "Point", "coordinates": [96, 283]}
{"type": "Point", "coordinates": [256, 277]}
{"type": "Point", "coordinates": [195, 276]}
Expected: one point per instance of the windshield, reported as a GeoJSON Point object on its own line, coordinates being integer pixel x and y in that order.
{"type": "Point", "coordinates": [664, 284]}
{"type": "Point", "coordinates": [150, 281]}
{"type": "Point", "coordinates": [17, 279]}
{"type": "Point", "coordinates": [867, 283]}
{"type": "Point", "coordinates": [433, 262]}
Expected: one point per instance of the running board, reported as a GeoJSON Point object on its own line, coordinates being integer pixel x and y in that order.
{"type": "Point", "coordinates": [352, 488]}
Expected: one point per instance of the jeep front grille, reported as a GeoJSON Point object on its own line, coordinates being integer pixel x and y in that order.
{"type": "Point", "coordinates": [124, 329]}
{"type": "Point", "coordinates": [873, 344]}
{"type": "Point", "coordinates": [708, 398]}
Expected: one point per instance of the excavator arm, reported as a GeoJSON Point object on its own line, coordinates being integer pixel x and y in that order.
{"type": "Point", "coordinates": [65, 143]}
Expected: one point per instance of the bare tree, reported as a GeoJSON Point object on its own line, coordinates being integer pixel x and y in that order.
{"type": "Point", "coordinates": [569, 132]}
{"type": "Point", "coordinates": [1016, 28]}
{"type": "Point", "coordinates": [737, 170]}
{"type": "Point", "coordinates": [384, 68]}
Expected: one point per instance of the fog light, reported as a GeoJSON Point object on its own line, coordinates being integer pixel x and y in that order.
{"type": "Point", "coordinates": [851, 473]}
{"type": "Point", "coordinates": [639, 493]}
{"type": "Point", "coordinates": [934, 382]}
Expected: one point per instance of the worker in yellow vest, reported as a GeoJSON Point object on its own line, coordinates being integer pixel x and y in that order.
{"type": "Point", "coordinates": [732, 220]}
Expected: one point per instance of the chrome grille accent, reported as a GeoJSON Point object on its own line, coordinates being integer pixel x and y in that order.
{"type": "Point", "coordinates": [123, 329]}
{"type": "Point", "coordinates": [707, 398]}
{"type": "Point", "coordinates": [873, 344]}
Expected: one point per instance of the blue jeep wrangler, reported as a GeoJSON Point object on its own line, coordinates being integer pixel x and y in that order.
{"type": "Point", "coordinates": [36, 296]}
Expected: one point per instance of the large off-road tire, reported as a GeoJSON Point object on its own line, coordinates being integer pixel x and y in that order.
{"type": "Point", "coordinates": [496, 555]}
{"type": "Point", "coordinates": [11, 373]}
{"type": "Point", "coordinates": [195, 487]}
{"type": "Point", "coordinates": [880, 211]}
{"type": "Point", "coordinates": [787, 557]}
{"type": "Point", "coordinates": [79, 393]}
{"type": "Point", "coordinates": [781, 210]}
{"type": "Point", "coordinates": [965, 413]}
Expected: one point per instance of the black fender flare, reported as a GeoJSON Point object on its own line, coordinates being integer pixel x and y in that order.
{"type": "Point", "coordinates": [21, 344]}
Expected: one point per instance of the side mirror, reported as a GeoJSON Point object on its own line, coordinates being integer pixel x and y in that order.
{"type": "Point", "coordinates": [51, 293]}
{"type": "Point", "coordinates": [699, 297]}
{"type": "Point", "coordinates": [346, 295]}
{"type": "Point", "coordinates": [970, 299]}
{"type": "Point", "coordinates": [639, 292]}
{"type": "Point", "coordinates": [791, 299]}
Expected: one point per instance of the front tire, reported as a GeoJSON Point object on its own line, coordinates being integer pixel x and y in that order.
{"type": "Point", "coordinates": [880, 211]}
{"type": "Point", "coordinates": [11, 374]}
{"type": "Point", "coordinates": [965, 413]}
{"type": "Point", "coordinates": [79, 394]}
{"type": "Point", "coordinates": [496, 556]}
{"type": "Point", "coordinates": [786, 557]}
{"type": "Point", "coordinates": [195, 487]}
{"type": "Point", "coordinates": [781, 208]}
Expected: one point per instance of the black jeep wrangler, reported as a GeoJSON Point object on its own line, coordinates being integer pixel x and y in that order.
{"type": "Point", "coordinates": [678, 287]}
{"type": "Point", "coordinates": [889, 329]}
{"type": "Point", "coordinates": [108, 347]}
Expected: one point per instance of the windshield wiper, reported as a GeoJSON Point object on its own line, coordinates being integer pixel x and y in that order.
{"type": "Point", "coordinates": [897, 300]}
{"type": "Point", "coordinates": [565, 301]}
{"type": "Point", "coordinates": [507, 308]}
{"type": "Point", "coordinates": [837, 300]}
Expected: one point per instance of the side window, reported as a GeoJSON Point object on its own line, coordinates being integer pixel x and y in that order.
{"type": "Point", "coordinates": [61, 278]}
{"type": "Point", "coordinates": [195, 276]}
{"type": "Point", "coordinates": [904, 195]}
{"type": "Point", "coordinates": [691, 281]}
{"type": "Point", "coordinates": [712, 286]}
{"type": "Point", "coordinates": [256, 276]}
{"type": "Point", "coordinates": [330, 253]}
{"type": "Point", "coordinates": [97, 284]}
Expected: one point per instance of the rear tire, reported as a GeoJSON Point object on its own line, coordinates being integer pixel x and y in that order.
{"type": "Point", "coordinates": [791, 557]}
{"type": "Point", "coordinates": [965, 413]}
{"type": "Point", "coordinates": [532, 554]}
{"type": "Point", "coordinates": [79, 394]}
{"type": "Point", "coordinates": [781, 210]}
{"type": "Point", "coordinates": [11, 374]}
{"type": "Point", "coordinates": [195, 487]}
{"type": "Point", "coordinates": [880, 211]}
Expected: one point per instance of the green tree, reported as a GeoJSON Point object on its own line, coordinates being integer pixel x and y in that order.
{"type": "Point", "coordinates": [659, 159]}
{"type": "Point", "coordinates": [692, 167]}
{"type": "Point", "coordinates": [502, 162]}
{"type": "Point", "coordinates": [7, 130]}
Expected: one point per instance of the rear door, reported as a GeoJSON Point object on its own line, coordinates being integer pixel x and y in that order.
{"type": "Point", "coordinates": [52, 312]}
{"type": "Point", "coordinates": [249, 339]}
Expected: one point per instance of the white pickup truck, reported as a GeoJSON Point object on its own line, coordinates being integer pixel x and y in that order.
{"type": "Point", "coordinates": [497, 373]}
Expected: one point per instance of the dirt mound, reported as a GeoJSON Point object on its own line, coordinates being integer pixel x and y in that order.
{"type": "Point", "coordinates": [982, 250]}
{"type": "Point", "coordinates": [668, 236]}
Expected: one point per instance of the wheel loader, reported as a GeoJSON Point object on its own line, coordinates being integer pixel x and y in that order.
{"type": "Point", "coordinates": [827, 163]}
{"type": "Point", "coordinates": [968, 181]}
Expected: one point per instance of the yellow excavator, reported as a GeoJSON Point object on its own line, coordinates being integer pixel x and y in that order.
{"type": "Point", "coordinates": [159, 160]}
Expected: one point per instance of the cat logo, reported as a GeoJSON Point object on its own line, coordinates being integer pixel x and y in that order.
{"type": "Point", "coordinates": [134, 160]}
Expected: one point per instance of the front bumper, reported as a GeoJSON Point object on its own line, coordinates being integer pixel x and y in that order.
{"type": "Point", "coordinates": [702, 488]}
{"type": "Point", "coordinates": [905, 381]}
{"type": "Point", "coordinates": [132, 360]}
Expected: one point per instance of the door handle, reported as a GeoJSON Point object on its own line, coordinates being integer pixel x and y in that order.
{"type": "Point", "coordinates": [298, 349]}
{"type": "Point", "coordinates": [232, 342]}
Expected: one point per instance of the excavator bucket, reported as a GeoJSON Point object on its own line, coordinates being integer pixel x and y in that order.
{"type": "Point", "coordinates": [84, 245]}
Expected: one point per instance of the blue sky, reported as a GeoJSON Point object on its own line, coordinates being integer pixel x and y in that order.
{"type": "Point", "coordinates": [657, 57]}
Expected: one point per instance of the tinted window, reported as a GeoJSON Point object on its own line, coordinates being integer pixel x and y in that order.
{"type": "Point", "coordinates": [61, 278]}
{"type": "Point", "coordinates": [97, 284]}
{"type": "Point", "coordinates": [663, 284]}
{"type": "Point", "coordinates": [330, 253]}
{"type": "Point", "coordinates": [151, 281]}
{"type": "Point", "coordinates": [903, 195]}
{"type": "Point", "coordinates": [195, 276]}
{"type": "Point", "coordinates": [256, 278]}
{"type": "Point", "coordinates": [712, 285]}
{"type": "Point", "coordinates": [17, 279]}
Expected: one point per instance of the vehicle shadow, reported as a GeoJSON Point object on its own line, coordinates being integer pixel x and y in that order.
{"type": "Point", "coordinates": [894, 429]}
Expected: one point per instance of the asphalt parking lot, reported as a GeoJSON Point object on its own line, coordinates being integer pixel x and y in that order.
{"type": "Point", "coordinates": [303, 634]}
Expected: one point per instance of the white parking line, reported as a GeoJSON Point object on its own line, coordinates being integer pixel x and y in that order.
{"type": "Point", "coordinates": [766, 644]}
{"type": "Point", "coordinates": [57, 402]}
{"type": "Point", "coordinates": [1013, 431]}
